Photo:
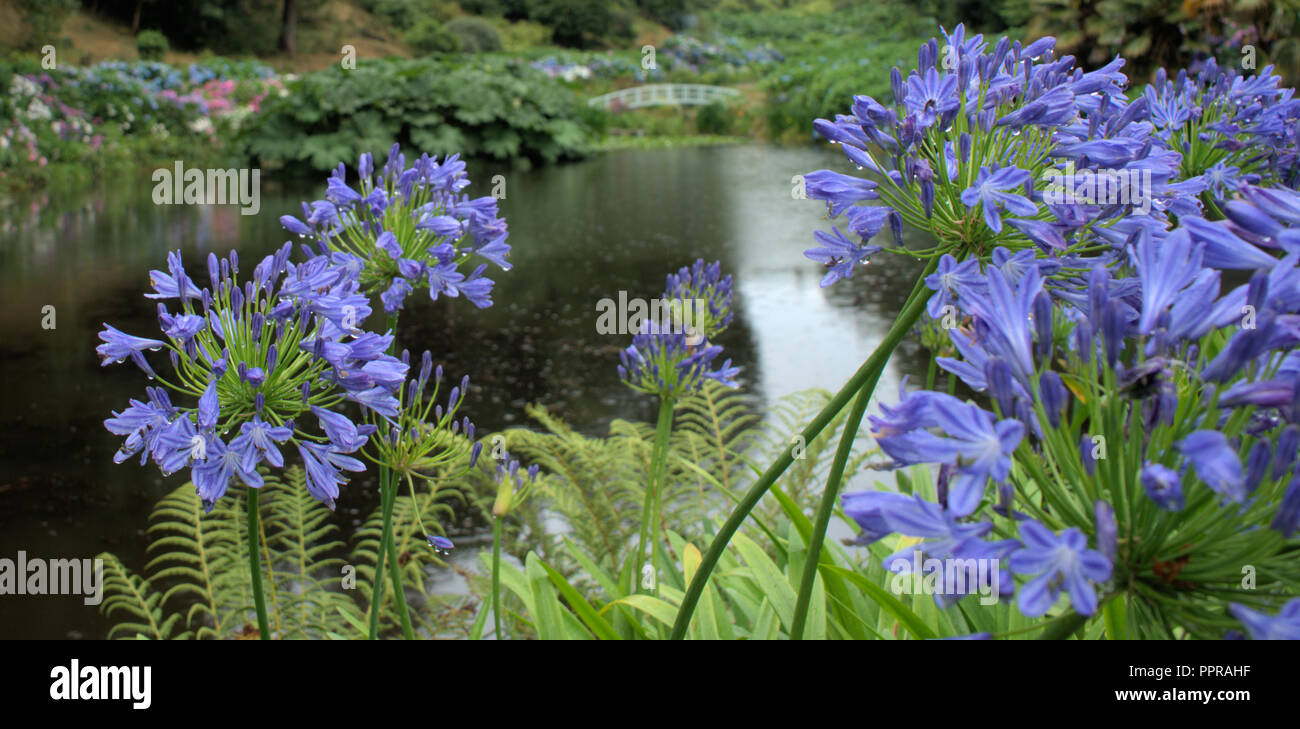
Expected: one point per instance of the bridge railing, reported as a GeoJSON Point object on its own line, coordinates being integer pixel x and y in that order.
{"type": "Point", "coordinates": [637, 97]}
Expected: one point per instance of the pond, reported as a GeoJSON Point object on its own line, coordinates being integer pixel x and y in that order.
{"type": "Point", "coordinates": [580, 233]}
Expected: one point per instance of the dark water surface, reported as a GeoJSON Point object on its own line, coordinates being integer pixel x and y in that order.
{"type": "Point", "coordinates": [580, 232]}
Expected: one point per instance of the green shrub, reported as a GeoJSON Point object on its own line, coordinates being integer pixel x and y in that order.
{"type": "Point", "coordinates": [574, 23]}
{"type": "Point", "coordinates": [397, 13]}
{"type": "Point", "coordinates": [430, 36]}
{"type": "Point", "coordinates": [715, 118]}
{"type": "Point", "coordinates": [499, 111]}
{"type": "Point", "coordinates": [151, 45]}
{"type": "Point", "coordinates": [525, 34]}
{"type": "Point", "coordinates": [43, 18]}
{"type": "Point", "coordinates": [476, 35]}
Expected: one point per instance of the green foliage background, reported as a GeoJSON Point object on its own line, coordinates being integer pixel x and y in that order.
{"type": "Point", "coordinates": [499, 110]}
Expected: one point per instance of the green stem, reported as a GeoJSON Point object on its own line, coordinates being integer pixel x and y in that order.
{"type": "Point", "coordinates": [254, 565]}
{"type": "Point", "coordinates": [1065, 627]}
{"type": "Point", "coordinates": [387, 497]}
{"type": "Point", "coordinates": [828, 505]}
{"type": "Point", "coordinates": [399, 593]}
{"type": "Point", "coordinates": [870, 370]}
{"type": "Point", "coordinates": [496, 575]}
{"type": "Point", "coordinates": [659, 463]}
{"type": "Point", "coordinates": [385, 540]}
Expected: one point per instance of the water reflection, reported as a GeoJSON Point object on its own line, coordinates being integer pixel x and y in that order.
{"type": "Point", "coordinates": [580, 233]}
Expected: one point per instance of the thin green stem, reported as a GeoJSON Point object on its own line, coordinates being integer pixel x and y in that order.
{"type": "Point", "coordinates": [385, 539]}
{"type": "Point", "coordinates": [828, 505]}
{"type": "Point", "coordinates": [659, 463]}
{"type": "Point", "coordinates": [254, 565]}
{"type": "Point", "coordinates": [496, 575]}
{"type": "Point", "coordinates": [870, 370]}
{"type": "Point", "coordinates": [399, 593]}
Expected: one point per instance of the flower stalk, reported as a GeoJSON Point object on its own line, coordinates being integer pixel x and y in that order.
{"type": "Point", "coordinates": [652, 513]}
{"type": "Point", "coordinates": [864, 380]}
{"type": "Point", "coordinates": [255, 567]}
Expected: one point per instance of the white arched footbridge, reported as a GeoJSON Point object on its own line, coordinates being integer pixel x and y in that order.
{"type": "Point", "coordinates": [637, 97]}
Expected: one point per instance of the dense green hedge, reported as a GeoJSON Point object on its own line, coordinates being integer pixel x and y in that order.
{"type": "Point", "coordinates": [495, 110]}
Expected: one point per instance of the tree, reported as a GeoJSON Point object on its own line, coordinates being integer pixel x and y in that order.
{"type": "Point", "coordinates": [573, 21]}
{"type": "Point", "coordinates": [288, 28]}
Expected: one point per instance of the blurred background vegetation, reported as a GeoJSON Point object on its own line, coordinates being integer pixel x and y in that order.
{"type": "Point", "coordinates": [515, 74]}
{"type": "Point", "coordinates": [1151, 32]}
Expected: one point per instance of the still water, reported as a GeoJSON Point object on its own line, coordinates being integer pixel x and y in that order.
{"type": "Point", "coordinates": [580, 233]}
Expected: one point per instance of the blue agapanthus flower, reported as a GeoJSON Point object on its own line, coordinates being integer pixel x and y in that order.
{"type": "Point", "coordinates": [1284, 626]}
{"type": "Point", "coordinates": [410, 227]}
{"type": "Point", "coordinates": [674, 356]}
{"type": "Point", "coordinates": [970, 439]}
{"type": "Point", "coordinates": [1127, 393]}
{"type": "Point", "coordinates": [1060, 562]}
{"type": "Point", "coordinates": [256, 359]}
{"type": "Point", "coordinates": [990, 192]}
{"type": "Point", "coordinates": [1163, 486]}
{"type": "Point", "coordinates": [932, 98]}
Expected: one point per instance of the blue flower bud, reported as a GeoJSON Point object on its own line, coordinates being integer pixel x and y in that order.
{"type": "Point", "coordinates": [1163, 486]}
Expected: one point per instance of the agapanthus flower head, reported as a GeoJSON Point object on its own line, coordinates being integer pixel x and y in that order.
{"type": "Point", "coordinates": [513, 486]}
{"type": "Point", "coordinates": [705, 298]}
{"type": "Point", "coordinates": [982, 129]}
{"type": "Point", "coordinates": [668, 359]}
{"type": "Point", "coordinates": [410, 228]}
{"type": "Point", "coordinates": [1230, 129]}
{"type": "Point", "coordinates": [424, 438]}
{"type": "Point", "coordinates": [257, 358]}
{"type": "Point", "coordinates": [1154, 416]}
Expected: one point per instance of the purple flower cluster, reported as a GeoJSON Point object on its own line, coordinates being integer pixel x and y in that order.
{"type": "Point", "coordinates": [1087, 316]}
{"type": "Point", "coordinates": [1008, 146]}
{"type": "Point", "coordinates": [1193, 388]}
{"type": "Point", "coordinates": [412, 227]}
{"type": "Point", "coordinates": [668, 358]}
{"type": "Point", "coordinates": [1231, 129]}
{"type": "Point", "coordinates": [256, 358]}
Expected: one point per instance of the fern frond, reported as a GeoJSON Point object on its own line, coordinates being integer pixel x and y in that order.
{"type": "Point", "coordinates": [196, 552]}
{"type": "Point", "coordinates": [300, 540]}
{"type": "Point", "coordinates": [134, 598]}
{"type": "Point", "coordinates": [725, 419]}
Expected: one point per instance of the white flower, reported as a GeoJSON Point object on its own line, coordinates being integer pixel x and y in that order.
{"type": "Point", "coordinates": [37, 110]}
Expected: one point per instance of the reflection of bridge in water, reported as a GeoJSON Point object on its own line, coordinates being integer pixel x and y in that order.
{"type": "Point", "coordinates": [637, 97]}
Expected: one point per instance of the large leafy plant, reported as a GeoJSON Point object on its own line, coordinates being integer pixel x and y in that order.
{"type": "Point", "coordinates": [495, 109]}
